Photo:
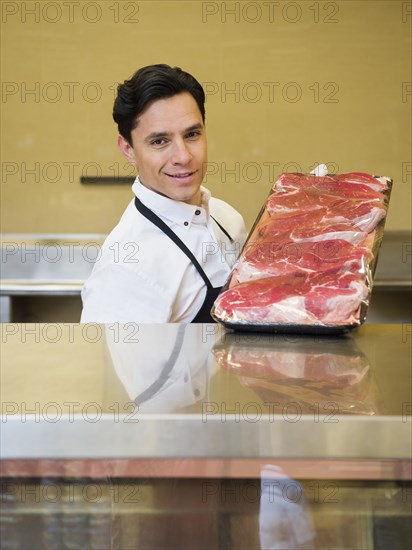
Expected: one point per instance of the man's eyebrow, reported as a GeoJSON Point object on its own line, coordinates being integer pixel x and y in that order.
{"type": "Point", "coordinates": [159, 135]}
{"type": "Point", "coordinates": [197, 126]}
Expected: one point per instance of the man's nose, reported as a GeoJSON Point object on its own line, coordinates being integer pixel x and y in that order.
{"type": "Point", "coordinates": [181, 153]}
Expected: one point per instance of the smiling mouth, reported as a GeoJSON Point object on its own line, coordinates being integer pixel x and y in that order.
{"type": "Point", "coordinates": [181, 175]}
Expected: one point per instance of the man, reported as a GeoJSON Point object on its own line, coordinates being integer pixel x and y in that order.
{"type": "Point", "coordinates": [175, 245]}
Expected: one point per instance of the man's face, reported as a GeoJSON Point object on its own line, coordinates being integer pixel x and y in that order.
{"type": "Point", "coordinates": [169, 148]}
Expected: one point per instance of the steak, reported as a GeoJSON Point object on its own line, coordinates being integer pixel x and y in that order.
{"type": "Point", "coordinates": [271, 258]}
{"type": "Point", "coordinates": [314, 299]}
{"type": "Point", "coordinates": [354, 185]}
{"type": "Point", "coordinates": [362, 207]}
{"type": "Point", "coordinates": [307, 260]}
{"type": "Point", "coordinates": [375, 183]}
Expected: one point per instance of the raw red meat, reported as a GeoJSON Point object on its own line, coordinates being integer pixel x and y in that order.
{"type": "Point", "coordinates": [353, 185]}
{"type": "Point", "coordinates": [351, 202]}
{"type": "Point", "coordinates": [308, 258]}
{"type": "Point", "coordinates": [291, 203]}
{"type": "Point", "coordinates": [363, 215]}
{"type": "Point", "coordinates": [327, 231]}
{"type": "Point", "coordinates": [313, 299]}
{"type": "Point", "coordinates": [375, 183]}
{"type": "Point", "coordinates": [269, 258]}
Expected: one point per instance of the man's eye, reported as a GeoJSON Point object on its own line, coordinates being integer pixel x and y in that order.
{"type": "Point", "coordinates": [157, 142]}
{"type": "Point", "coordinates": [193, 134]}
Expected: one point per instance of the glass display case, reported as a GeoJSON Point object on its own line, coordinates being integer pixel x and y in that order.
{"type": "Point", "coordinates": [189, 436]}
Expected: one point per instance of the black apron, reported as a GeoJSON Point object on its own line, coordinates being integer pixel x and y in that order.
{"type": "Point", "coordinates": [203, 315]}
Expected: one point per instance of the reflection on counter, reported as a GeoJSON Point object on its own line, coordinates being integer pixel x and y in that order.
{"type": "Point", "coordinates": [173, 378]}
{"type": "Point", "coordinates": [301, 374]}
{"type": "Point", "coordinates": [314, 373]}
{"type": "Point", "coordinates": [173, 368]}
{"type": "Point", "coordinates": [296, 374]}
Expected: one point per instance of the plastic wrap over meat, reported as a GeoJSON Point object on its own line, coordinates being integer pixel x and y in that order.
{"type": "Point", "coordinates": [309, 261]}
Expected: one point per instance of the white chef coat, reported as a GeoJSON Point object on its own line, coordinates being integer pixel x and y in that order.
{"type": "Point", "coordinates": [142, 276]}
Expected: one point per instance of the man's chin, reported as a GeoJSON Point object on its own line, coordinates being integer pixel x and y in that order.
{"type": "Point", "coordinates": [186, 193]}
{"type": "Point", "coordinates": [189, 197]}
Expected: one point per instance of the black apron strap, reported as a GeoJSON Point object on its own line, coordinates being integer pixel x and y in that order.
{"type": "Point", "coordinates": [223, 229]}
{"type": "Point", "coordinates": [158, 222]}
{"type": "Point", "coordinates": [203, 315]}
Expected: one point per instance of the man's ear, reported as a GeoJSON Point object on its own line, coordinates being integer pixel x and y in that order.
{"type": "Point", "coordinates": [126, 149]}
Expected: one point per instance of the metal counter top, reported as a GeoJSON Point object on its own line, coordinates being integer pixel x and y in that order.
{"type": "Point", "coordinates": [47, 264]}
{"type": "Point", "coordinates": [196, 392]}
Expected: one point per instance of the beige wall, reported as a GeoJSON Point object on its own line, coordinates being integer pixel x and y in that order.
{"type": "Point", "coordinates": [349, 60]}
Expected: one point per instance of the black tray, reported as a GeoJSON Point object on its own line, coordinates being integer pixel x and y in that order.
{"type": "Point", "coordinates": [283, 328]}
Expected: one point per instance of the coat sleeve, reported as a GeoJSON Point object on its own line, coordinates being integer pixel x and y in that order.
{"type": "Point", "coordinates": [115, 294]}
